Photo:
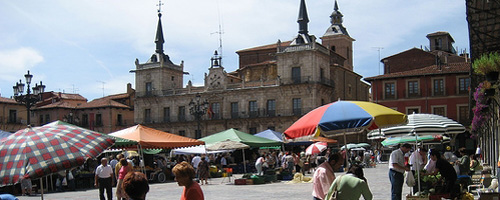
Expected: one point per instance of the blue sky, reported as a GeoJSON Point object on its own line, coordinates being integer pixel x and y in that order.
{"type": "Point", "coordinates": [89, 47]}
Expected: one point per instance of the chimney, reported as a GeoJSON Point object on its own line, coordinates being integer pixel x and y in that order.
{"type": "Point", "coordinates": [129, 88]}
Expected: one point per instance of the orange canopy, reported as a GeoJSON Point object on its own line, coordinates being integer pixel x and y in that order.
{"type": "Point", "coordinates": [152, 138]}
{"type": "Point", "coordinates": [324, 139]}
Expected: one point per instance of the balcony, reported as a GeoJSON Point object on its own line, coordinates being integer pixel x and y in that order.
{"type": "Point", "coordinates": [260, 113]}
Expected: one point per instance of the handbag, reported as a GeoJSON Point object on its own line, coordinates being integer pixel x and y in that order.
{"type": "Point", "coordinates": [335, 191]}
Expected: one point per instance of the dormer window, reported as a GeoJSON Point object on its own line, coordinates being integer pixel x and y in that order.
{"type": "Point", "coordinates": [439, 44]}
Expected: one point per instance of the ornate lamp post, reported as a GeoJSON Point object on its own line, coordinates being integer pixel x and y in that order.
{"type": "Point", "coordinates": [29, 99]}
{"type": "Point", "coordinates": [198, 109]}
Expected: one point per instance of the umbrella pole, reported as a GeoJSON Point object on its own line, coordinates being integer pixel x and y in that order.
{"type": "Point", "coordinates": [139, 148]}
{"type": "Point", "coordinates": [346, 153]}
{"type": "Point", "coordinates": [244, 163]}
{"type": "Point", "coordinates": [418, 164]}
{"type": "Point", "coordinates": [41, 187]}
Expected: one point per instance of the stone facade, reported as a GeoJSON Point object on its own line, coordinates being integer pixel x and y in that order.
{"type": "Point", "coordinates": [12, 115]}
{"type": "Point", "coordinates": [274, 85]}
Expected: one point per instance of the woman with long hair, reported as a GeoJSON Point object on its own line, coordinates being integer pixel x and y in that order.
{"type": "Point", "coordinates": [351, 185]}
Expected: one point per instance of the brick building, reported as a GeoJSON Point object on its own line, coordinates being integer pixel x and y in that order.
{"type": "Point", "coordinates": [433, 81]}
{"type": "Point", "coordinates": [105, 115]}
{"type": "Point", "coordinates": [273, 86]}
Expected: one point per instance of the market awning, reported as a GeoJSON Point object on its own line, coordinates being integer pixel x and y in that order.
{"type": "Point", "coordinates": [152, 138]}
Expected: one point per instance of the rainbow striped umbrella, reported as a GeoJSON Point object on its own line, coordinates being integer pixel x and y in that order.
{"type": "Point", "coordinates": [344, 116]}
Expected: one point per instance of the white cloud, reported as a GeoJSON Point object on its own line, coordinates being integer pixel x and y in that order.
{"type": "Point", "coordinates": [16, 62]}
{"type": "Point", "coordinates": [88, 41]}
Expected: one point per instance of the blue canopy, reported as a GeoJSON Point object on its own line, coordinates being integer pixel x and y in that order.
{"type": "Point", "coordinates": [270, 134]}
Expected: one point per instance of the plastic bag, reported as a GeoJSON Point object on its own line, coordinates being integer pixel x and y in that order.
{"type": "Point", "coordinates": [410, 179]}
{"type": "Point", "coordinates": [64, 182]}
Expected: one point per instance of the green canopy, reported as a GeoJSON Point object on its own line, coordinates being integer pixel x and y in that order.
{"type": "Point", "coordinates": [235, 135]}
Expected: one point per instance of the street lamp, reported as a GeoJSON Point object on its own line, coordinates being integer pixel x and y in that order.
{"type": "Point", "coordinates": [28, 99]}
{"type": "Point", "coordinates": [198, 109]}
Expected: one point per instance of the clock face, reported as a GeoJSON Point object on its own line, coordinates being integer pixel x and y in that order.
{"type": "Point", "coordinates": [215, 80]}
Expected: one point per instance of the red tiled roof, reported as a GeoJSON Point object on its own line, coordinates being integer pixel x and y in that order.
{"type": "Point", "coordinates": [118, 96]}
{"type": "Point", "coordinates": [69, 96]}
{"type": "Point", "coordinates": [60, 104]}
{"type": "Point", "coordinates": [269, 46]}
{"type": "Point", "coordinates": [451, 68]}
{"type": "Point", "coordinates": [7, 100]}
{"type": "Point", "coordinates": [103, 102]}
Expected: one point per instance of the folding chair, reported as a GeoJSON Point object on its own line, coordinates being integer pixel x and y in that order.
{"type": "Point", "coordinates": [484, 181]}
{"type": "Point", "coordinates": [229, 174]}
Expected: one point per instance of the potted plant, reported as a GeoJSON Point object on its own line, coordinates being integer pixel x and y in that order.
{"type": "Point", "coordinates": [488, 65]}
{"type": "Point", "coordinates": [481, 106]}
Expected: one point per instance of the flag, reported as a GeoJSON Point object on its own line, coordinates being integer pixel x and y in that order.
{"type": "Point", "coordinates": [210, 112]}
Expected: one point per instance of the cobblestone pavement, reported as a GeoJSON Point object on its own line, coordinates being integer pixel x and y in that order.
{"type": "Point", "coordinates": [378, 181]}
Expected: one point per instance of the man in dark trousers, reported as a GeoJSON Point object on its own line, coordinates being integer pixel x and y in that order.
{"type": "Point", "coordinates": [104, 179]}
{"type": "Point", "coordinates": [397, 168]}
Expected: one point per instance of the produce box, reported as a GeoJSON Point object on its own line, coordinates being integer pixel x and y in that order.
{"type": "Point", "coordinates": [240, 181]}
{"type": "Point", "coordinates": [258, 180]}
{"type": "Point", "coordinates": [287, 177]}
{"type": "Point", "coordinates": [439, 196]}
{"type": "Point", "coordinates": [249, 181]}
{"type": "Point", "coordinates": [409, 197]}
{"type": "Point", "coordinates": [489, 196]}
{"type": "Point", "coordinates": [270, 178]}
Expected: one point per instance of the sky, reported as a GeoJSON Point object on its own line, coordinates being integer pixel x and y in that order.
{"type": "Point", "coordinates": [89, 47]}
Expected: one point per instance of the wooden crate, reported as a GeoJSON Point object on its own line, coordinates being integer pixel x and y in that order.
{"type": "Point", "coordinates": [408, 197]}
{"type": "Point", "coordinates": [240, 181]}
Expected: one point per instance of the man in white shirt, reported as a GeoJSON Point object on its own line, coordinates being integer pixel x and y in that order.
{"type": "Point", "coordinates": [223, 161]}
{"type": "Point", "coordinates": [418, 160]}
{"type": "Point", "coordinates": [397, 168]}
{"type": "Point", "coordinates": [103, 179]}
{"type": "Point", "coordinates": [195, 162]}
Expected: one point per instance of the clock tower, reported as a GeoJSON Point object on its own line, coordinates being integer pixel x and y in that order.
{"type": "Point", "coordinates": [216, 78]}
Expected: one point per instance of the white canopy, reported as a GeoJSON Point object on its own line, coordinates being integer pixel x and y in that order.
{"type": "Point", "coordinates": [200, 149]}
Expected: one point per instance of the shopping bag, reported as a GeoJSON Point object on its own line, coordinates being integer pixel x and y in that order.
{"type": "Point", "coordinates": [410, 179]}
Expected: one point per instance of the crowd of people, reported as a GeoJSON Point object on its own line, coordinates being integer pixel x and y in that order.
{"type": "Point", "coordinates": [188, 167]}
{"type": "Point", "coordinates": [191, 171]}
{"type": "Point", "coordinates": [451, 166]}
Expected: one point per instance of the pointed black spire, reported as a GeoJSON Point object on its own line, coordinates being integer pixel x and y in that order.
{"type": "Point", "coordinates": [336, 16]}
{"type": "Point", "coordinates": [159, 36]}
{"type": "Point", "coordinates": [303, 19]}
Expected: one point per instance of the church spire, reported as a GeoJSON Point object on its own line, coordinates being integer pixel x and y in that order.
{"type": "Point", "coordinates": [303, 20]}
{"type": "Point", "coordinates": [336, 27]}
{"type": "Point", "coordinates": [336, 17]}
{"type": "Point", "coordinates": [159, 34]}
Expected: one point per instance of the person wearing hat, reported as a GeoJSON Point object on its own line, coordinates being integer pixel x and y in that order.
{"type": "Point", "coordinates": [397, 168]}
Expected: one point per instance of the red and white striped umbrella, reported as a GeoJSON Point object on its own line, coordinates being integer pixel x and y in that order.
{"type": "Point", "coordinates": [316, 148]}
